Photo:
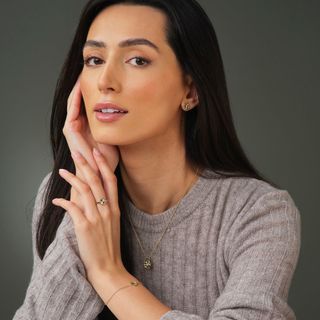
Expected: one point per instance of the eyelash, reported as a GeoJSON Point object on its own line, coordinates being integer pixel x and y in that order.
{"type": "Point", "coordinates": [86, 61]}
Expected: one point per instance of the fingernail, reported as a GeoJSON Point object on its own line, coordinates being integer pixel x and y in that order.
{"type": "Point", "coordinates": [96, 152]}
{"type": "Point", "coordinates": [63, 171]}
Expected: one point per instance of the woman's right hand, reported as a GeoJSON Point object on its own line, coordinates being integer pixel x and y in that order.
{"type": "Point", "coordinates": [79, 138]}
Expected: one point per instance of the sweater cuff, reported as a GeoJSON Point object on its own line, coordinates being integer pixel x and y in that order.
{"type": "Point", "coordinates": [179, 315]}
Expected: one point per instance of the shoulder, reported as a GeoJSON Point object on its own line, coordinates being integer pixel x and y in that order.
{"type": "Point", "coordinates": [42, 188]}
{"type": "Point", "coordinates": [236, 200]}
{"type": "Point", "coordinates": [244, 192]}
{"type": "Point", "coordinates": [255, 218]}
{"type": "Point", "coordinates": [254, 209]}
{"type": "Point", "coordinates": [40, 198]}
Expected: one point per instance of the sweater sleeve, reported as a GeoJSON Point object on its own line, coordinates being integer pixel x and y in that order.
{"type": "Point", "coordinates": [261, 252]}
{"type": "Point", "coordinates": [58, 288]}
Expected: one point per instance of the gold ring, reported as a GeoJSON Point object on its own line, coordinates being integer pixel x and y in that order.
{"type": "Point", "coordinates": [102, 201]}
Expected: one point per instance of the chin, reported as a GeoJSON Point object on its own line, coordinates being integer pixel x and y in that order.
{"type": "Point", "coordinates": [114, 136]}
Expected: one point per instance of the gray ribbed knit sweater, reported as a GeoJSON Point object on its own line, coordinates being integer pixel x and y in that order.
{"type": "Point", "coordinates": [230, 253]}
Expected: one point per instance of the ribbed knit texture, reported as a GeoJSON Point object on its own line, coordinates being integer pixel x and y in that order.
{"type": "Point", "coordinates": [230, 253]}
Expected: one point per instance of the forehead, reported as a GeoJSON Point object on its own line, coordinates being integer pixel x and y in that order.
{"type": "Point", "coordinates": [123, 21]}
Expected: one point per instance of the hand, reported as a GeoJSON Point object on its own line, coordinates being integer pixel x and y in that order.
{"type": "Point", "coordinates": [78, 135]}
{"type": "Point", "coordinates": [97, 227]}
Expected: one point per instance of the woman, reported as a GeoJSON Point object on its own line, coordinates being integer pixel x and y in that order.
{"type": "Point", "coordinates": [158, 214]}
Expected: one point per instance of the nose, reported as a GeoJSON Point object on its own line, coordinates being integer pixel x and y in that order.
{"type": "Point", "coordinates": [109, 78]}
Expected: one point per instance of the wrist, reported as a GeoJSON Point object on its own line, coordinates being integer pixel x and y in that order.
{"type": "Point", "coordinates": [106, 282]}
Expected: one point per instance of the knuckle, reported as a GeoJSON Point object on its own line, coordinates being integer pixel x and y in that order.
{"type": "Point", "coordinates": [85, 188]}
{"type": "Point", "coordinates": [66, 129]}
{"type": "Point", "coordinates": [72, 205]}
{"type": "Point", "coordinates": [94, 179]}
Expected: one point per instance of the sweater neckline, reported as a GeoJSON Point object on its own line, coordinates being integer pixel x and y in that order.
{"type": "Point", "coordinates": [156, 222]}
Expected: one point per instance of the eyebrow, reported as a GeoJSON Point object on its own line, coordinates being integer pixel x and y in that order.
{"type": "Point", "coordinates": [122, 44]}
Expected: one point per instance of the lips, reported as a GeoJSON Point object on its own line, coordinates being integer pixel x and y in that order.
{"type": "Point", "coordinates": [106, 105]}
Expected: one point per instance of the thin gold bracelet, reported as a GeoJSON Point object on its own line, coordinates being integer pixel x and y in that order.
{"type": "Point", "coordinates": [132, 283]}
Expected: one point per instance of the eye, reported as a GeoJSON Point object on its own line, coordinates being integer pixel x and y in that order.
{"type": "Point", "coordinates": [140, 61]}
{"type": "Point", "coordinates": [93, 59]}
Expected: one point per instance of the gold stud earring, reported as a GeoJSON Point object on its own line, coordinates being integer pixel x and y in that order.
{"type": "Point", "coordinates": [186, 107]}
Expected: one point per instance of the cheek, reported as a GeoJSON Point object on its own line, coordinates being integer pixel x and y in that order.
{"type": "Point", "coordinates": [144, 89]}
{"type": "Point", "coordinates": [155, 101]}
{"type": "Point", "coordinates": [155, 90]}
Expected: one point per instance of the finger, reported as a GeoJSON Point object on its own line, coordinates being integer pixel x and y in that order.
{"type": "Point", "coordinates": [70, 96]}
{"type": "Point", "coordinates": [73, 89]}
{"type": "Point", "coordinates": [76, 197]}
{"type": "Point", "coordinates": [109, 180]}
{"type": "Point", "coordinates": [89, 202]}
{"type": "Point", "coordinates": [73, 125]}
{"type": "Point", "coordinates": [92, 179]}
{"type": "Point", "coordinates": [75, 213]}
{"type": "Point", "coordinates": [74, 102]}
{"type": "Point", "coordinates": [77, 142]}
{"type": "Point", "coordinates": [110, 153]}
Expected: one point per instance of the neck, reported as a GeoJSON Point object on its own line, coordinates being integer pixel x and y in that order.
{"type": "Point", "coordinates": [155, 178]}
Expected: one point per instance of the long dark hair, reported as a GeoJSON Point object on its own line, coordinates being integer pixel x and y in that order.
{"type": "Point", "coordinates": [210, 137]}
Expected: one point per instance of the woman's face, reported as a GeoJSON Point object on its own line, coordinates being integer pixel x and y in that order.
{"type": "Point", "coordinates": [146, 81]}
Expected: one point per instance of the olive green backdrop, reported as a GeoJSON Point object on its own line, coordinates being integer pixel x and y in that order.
{"type": "Point", "coordinates": [271, 52]}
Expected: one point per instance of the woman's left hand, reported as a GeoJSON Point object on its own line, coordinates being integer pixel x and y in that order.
{"type": "Point", "coordinates": [97, 227]}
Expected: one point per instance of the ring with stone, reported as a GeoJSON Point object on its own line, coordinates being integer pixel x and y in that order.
{"type": "Point", "coordinates": [102, 201]}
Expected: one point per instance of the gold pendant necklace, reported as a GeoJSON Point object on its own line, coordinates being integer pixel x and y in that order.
{"type": "Point", "coordinates": [148, 264]}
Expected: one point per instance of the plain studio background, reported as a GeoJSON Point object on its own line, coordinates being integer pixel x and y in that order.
{"type": "Point", "coordinates": [271, 54]}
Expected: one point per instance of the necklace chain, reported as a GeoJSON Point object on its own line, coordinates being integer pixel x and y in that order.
{"type": "Point", "coordinates": [148, 261]}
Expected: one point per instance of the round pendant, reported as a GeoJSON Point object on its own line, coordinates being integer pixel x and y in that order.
{"type": "Point", "coordinates": [147, 263]}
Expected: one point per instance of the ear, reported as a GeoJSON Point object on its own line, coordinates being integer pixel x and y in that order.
{"type": "Point", "coordinates": [191, 95]}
